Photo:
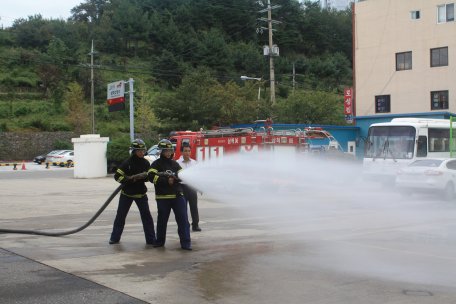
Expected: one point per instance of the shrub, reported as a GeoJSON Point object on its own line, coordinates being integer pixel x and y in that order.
{"type": "Point", "coordinates": [63, 145]}
{"type": "Point", "coordinates": [22, 111]}
{"type": "Point", "coordinates": [58, 126]}
{"type": "Point", "coordinates": [118, 149]}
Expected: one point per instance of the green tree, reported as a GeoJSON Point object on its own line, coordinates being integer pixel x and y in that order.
{"type": "Point", "coordinates": [78, 111]}
{"type": "Point", "coordinates": [88, 11]}
{"type": "Point", "coordinates": [131, 22]}
{"type": "Point", "coordinates": [317, 108]}
{"type": "Point", "coordinates": [56, 51]}
{"type": "Point", "coordinates": [32, 32]}
{"type": "Point", "coordinates": [191, 108]}
{"type": "Point", "coordinates": [145, 119]}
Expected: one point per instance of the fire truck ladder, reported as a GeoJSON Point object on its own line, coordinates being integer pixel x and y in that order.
{"type": "Point", "coordinates": [228, 132]}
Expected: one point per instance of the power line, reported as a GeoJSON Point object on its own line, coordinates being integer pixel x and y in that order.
{"type": "Point", "coordinates": [211, 1]}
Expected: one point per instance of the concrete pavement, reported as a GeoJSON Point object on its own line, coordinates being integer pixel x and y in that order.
{"type": "Point", "coordinates": [296, 246]}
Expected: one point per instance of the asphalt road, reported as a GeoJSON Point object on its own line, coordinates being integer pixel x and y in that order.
{"type": "Point", "coordinates": [27, 281]}
{"type": "Point", "coordinates": [35, 171]}
{"type": "Point", "coordinates": [303, 244]}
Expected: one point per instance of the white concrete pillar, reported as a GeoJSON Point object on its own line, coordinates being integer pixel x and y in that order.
{"type": "Point", "coordinates": [90, 156]}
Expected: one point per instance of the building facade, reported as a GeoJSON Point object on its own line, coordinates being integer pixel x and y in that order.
{"type": "Point", "coordinates": [404, 51]}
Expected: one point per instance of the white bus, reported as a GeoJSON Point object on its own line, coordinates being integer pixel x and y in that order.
{"type": "Point", "coordinates": [392, 145]}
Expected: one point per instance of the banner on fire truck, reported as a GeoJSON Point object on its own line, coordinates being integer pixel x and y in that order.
{"type": "Point", "coordinates": [348, 101]}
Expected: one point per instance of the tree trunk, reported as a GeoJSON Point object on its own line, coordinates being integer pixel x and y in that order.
{"type": "Point", "coordinates": [161, 91]}
{"type": "Point", "coordinates": [136, 48]}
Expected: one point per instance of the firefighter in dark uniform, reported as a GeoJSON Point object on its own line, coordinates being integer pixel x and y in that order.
{"type": "Point", "coordinates": [168, 193]}
{"type": "Point", "coordinates": [134, 190]}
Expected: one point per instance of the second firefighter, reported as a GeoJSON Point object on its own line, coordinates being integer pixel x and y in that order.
{"type": "Point", "coordinates": [163, 173]}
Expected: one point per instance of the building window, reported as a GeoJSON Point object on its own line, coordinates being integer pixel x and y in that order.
{"type": "Point", "coordinates": [439, 100]}
{"type": "Point", "coordinates": [445, 13]}
{"type": "Point", "coordinates": [415, 15]}
{"type": "Point", "coordinates": [403, 61]}
{"type": "Point", "coordinates": [439, 57]}
{"type": "Point", "coordinates": [382, 104]}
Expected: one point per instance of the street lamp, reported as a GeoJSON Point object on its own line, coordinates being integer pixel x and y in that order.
{"type": "Point", "coordinates": [259, 91]}
{"type": "Point", "coordinates": [250, 78]}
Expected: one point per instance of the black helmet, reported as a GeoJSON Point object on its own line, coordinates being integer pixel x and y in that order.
{"type": "Point", "coordinates": [165, 144]}
{"type": "Point", "coordinates": [138, 144]}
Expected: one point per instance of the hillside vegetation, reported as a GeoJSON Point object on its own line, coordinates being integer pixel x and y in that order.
{"type": "Point", "coordinates": [186, 57]}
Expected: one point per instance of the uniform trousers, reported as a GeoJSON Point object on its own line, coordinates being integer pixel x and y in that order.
{"type": "Point", "coordinates": [179, 208]}
{"type": "Point", "coordinates": [122, 211]}
{"type": "Point", "coordinates": [192, 200]}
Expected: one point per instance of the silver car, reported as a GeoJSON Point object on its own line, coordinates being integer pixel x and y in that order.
{"type": "Point", "coordinates": [432, 175]}
{"type": "Point", "coordinates": [65, 156]}
{"type": "Point", "coordinates": [58, 156]}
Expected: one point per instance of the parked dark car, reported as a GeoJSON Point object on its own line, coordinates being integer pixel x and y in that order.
{"type": "Point", "coordinates": [40, 159]}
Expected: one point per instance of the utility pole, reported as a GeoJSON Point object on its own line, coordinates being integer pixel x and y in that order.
{"type": "Point", "coordinates": [92, 93]}
{"type": "Point", "coordinates": [271, 59]}
{"type": "Point", "coordinates": [294, 74]}
{"type": "Point", "coordinates": [273, 50]}
{"type": "Point", "coordinates": [132, 109]}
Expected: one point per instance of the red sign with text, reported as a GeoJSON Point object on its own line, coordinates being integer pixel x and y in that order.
{"type": "Point", "coordinates": [116, 100]}
{"type": "Point", "coordinates": [348, 102]}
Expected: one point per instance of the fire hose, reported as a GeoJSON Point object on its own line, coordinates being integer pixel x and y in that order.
{"type": "Point", "coordinates": [96, 215]}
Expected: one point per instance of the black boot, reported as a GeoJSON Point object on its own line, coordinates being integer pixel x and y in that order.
{"type": "Point", "coordinates": [196, 228]}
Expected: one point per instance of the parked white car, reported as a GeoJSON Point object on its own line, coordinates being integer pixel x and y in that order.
{"type": "Point", "coordinates": [436, 175]}
{"type": "Point", "coordinates": [65, 156]}
{"type": "Point", "coordinates": [54, 156]}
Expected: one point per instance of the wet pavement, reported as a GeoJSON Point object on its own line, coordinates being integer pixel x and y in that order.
{"type": "Point", "coordinates": [302, 244]}
{"type": "Point", "coordinates": [27, 281]}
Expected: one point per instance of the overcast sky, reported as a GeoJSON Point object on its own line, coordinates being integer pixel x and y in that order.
{"type": "Point", "coordinates": [14, 9]}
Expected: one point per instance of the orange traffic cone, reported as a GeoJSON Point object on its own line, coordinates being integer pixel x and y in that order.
{"type": "Point", "coordinates": [23, 165]}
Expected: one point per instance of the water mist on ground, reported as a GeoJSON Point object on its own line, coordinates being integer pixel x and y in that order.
{"type": "Point", "coordinates": [327, 204]}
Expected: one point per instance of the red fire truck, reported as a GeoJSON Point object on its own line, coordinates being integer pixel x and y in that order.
{"type": "Point", "coordinates": [218, 142]}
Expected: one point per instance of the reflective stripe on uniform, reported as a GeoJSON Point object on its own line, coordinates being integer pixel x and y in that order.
{"type": "Point", "coordinates": [180, 170]}
{"type": "Point", "coordinates": [134, 195]}
{"type": "Point", "coordinates": [152, 170]}
{"type": "Point", "coordinates": [155, 179]}
{"type": "Point", "coordinates": [165, 196]}
{"type": "Point", "coordinates": [120, 172]}
{"type": "Point", "coordinates": [120, 179]}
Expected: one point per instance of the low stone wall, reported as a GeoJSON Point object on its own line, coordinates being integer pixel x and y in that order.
{"type": "Point", "coordinates": [18, 146]}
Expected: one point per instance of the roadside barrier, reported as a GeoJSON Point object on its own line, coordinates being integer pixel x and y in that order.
{"type": "Point", "coordinates": [67, 164]}
{"type": "Point", "coordinates": [15, 165]}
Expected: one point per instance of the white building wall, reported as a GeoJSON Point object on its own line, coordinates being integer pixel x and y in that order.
{"type": "Point", "coordinates": [384, 28]}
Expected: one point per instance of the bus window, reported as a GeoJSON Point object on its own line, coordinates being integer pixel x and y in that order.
{"type": "Point", "coordinates": [439, 140]}
{"type": "Point", "coordinates": [390, 141]}
{"type": "Point", "coordinates": [422, 147]}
